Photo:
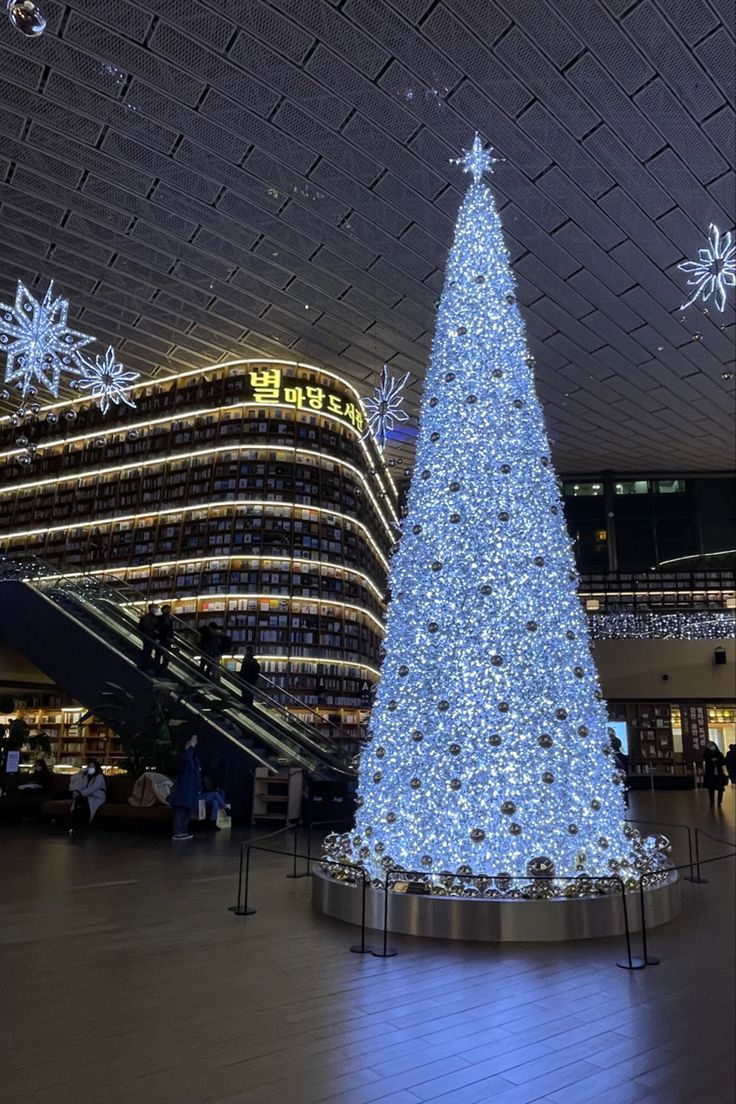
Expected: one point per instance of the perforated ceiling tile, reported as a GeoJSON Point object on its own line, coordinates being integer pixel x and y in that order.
{"type": "Point", "coordinates": [295, 196]}
{"type": "Point", "coordinates": [335, 72]}
{"type": "Point", "coordinates": [278, 75]}
{"type": "Point", "coordinates": [691, 195]}
{"type": "Point", "coordinates": [325, 174]}
{"type": "Point", "coordinates": [476, 61]}
{"type": "Point", "coordinates": [656, 38]}
{"type": "Point", "coordinates": [682, 133]}
{"type": "Point", "coordinates": [381, 21]}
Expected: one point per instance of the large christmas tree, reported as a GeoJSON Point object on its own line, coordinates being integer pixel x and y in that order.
{"type": "Point", "coordinates": [489, 749]}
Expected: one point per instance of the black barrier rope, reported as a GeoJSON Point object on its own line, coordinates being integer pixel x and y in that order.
{"type": "Point", "coordinates": [242, 909]}
{"type": "Point", "coordinates": [631, 962]}
{"type": "Point", "coordinates": [236, 908]}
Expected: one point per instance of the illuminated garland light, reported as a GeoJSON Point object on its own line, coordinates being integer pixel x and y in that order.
{"type": "Point", "coordinates": [489, 751]}
{"type": "Point", "coordinates": [695, 625]}
{"type": "Point", "coordinates": [714, 270]}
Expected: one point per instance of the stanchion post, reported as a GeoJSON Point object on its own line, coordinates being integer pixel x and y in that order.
{"type": "Point", "coordinates": [699, 877]}
{"type": "Point", "coordinates": [387, 952]}
{"type": "Point", "coordinates": [629, 963]}
{"type": "Point", "coordinates": [649, 960]}
{"type": "Point", "coordinates": [245, 911]}
{"type": "Point", "coordinates": [236, 907]}
{"type": "Point", "coordinates": [294, 874]}
{"type": "Point", "coordinates": [360, 948]}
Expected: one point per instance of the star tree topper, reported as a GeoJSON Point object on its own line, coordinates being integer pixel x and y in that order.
{"type": "Point", "coordinates": [477, 160]}
{"type": "Point", "coordinates": [38, 343]}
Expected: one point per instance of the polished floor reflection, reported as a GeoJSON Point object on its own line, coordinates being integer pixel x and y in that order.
{"type": "Point", "coordinates": [125, 978]}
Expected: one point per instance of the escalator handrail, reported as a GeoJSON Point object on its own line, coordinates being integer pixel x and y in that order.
{"type": "Point", "coordinates": [320, 743]}
{"type": "Point", "coordinates": [292, 750]}
{"type": "Point", "coordinates": [121, 655]}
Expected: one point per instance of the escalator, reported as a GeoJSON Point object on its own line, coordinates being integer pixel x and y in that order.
{"type": "Point", "coordinates": [81, 631]}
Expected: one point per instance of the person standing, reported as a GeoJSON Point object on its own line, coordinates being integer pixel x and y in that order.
{"type": "Point", "coordinates": [184, 797]}
{"type": "Point", "coordinates": [164, 637]}
{"type": "Point", "coordinates": [714, 779]}
{"type": "Point", "coordinates": [210, 641]}
{"type": "Point", "coordinates": [89, 791]}
{"type": "Point", "coordinates": [250, 670]}
{"type": "Point", "coordinates": [148, 628]}
{"type": "Point", "coordinates": [730, 760]}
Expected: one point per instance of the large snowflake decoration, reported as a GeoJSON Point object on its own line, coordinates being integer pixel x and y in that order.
{"type": "Point", "coordinates": [714, 270]}
{"type": "Point", "coordinates": [37, 342]}
{"type": "Point", "coordinates": [383, 409]}
{"type": "Point", "coordinates": [106, 380]}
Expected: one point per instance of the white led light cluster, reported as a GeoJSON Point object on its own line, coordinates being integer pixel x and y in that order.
{"type": "Point", "coordinates": [489, 748]}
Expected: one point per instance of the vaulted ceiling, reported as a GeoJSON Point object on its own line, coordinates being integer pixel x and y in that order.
{"type": "Point", "coordinates": [214, 178]}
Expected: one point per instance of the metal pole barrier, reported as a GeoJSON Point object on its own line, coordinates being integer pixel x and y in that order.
{"type": "Point", "coordinates": [305, 873]}
{"type": "Point", "coordinates": [629, 963]}
{"type": "Point", "coordinates": [360, 948]}
{"type": "Point", "coordinates": [690, 852]}
{"type": "Point", "coordinates": [649, 960]}
{"type": "Point", "coordinates": [387, 952]}
{"type": "Point", "coordinates": [698, 877]}
{"type": "Point", "coordinates": [245, 911]}
{"type": "Point", "coordinates": [236, 907]}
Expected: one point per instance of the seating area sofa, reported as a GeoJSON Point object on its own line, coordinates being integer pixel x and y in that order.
{"type": "Point", "coordinates": [57, 804]}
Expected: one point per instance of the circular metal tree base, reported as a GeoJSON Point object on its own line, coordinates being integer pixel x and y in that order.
{"type": "Point", "coordinates": [494, 920]}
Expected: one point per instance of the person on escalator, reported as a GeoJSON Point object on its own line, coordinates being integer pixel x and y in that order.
{"type": "Point", "coordinates": [210, 641]}
{"type": "Point", "coordinates": [148, 628]}
{"type": "Point", "coordinates": [164, 637]}
{"type": "Point", "coordinates": [250, 670]}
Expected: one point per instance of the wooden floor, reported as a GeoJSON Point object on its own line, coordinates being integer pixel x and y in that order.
{"type": "Point", "coordinates": [125, 979]}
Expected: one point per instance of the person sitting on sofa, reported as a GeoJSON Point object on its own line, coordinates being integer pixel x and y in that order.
{"type": "Point", "coordinates": [40, 780]}
{"type": "Point", "coordinates": [214, 800]}
{"type": "Point", "coordinates": [89, 793]}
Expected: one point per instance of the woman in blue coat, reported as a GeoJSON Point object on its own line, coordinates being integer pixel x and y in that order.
{"type": "Point", "coordinates": [184, 797]}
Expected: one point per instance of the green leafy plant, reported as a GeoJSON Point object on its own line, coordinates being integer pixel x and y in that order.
{"type": "Point", "coordinates": [147, 745]}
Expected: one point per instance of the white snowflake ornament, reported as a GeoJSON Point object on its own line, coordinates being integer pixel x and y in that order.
{"type": "Point", "coordinates": [383, 409]}
{"type": "Point", "coordinates": [106, 380]}
{"type": "Point", "coordinates": [37, 342]}
{"type": "Point", "coordinates": [714, 270]}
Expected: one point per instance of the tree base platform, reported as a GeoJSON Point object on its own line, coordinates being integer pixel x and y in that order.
{"type": "Point", "coordinates": [481, 920]}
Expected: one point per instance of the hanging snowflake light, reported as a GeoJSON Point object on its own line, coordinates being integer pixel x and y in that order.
{"type": "Point", "coordinates": [383, 409]}
{"type": "Point", "coordinates": [37, 342]}
{"type": "Point", "coordinates": [106, 380]}
{"type": "Point", "coordinates": [714, 271]}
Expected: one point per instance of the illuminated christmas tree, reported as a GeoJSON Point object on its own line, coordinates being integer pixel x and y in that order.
{"type": "Point", "coordinates": [489, 749]}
